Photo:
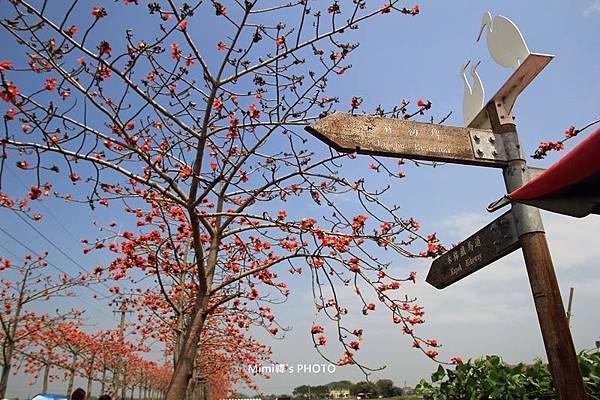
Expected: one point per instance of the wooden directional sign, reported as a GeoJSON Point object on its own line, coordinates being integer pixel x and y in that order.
{"type": "Point", "coordinates": [408, 139]}
{"type": "Point", "coordinates": [489, 244]}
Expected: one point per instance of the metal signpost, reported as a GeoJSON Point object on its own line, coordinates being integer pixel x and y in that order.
{"type": "Point", "coordinates": [490, 139]}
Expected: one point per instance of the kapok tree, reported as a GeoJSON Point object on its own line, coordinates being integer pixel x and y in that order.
{"type": "Point", "coordinates": [225, 348]}
{"type": "Point", "coordinates": [43, 356]}
{"type": "Point", "coordinates": [23, 287]}
{"type": "Point", "coordinates": [195, 109]}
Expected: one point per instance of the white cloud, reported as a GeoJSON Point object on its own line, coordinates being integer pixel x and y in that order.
{"type": "Point", "coordinates": [593, 8]}
{"type": "Point", "coordinates": [464, 224]}
{"type": "Point", "coordinates": [573, 241]}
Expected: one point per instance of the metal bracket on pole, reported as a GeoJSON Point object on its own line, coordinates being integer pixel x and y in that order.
{"type": "Point", "coordinates": [510, 90]}
{"type": "Point", "coordinates": [504, 113]}
{"type": "Point", "coordinates": [487, 146]}
{"type": "Point", "coordinates": [531, 173]}
{"type": "Point", "coordinates": [504, 230]}
{"type": "Point", "coordinates": [527, 218]}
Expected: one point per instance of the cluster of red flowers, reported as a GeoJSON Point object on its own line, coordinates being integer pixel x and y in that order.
{"type": "Point", "coordinates": [545, 147]}
{"type": "Point", "coordinates": [220, 9]}
{"type": "Point", "coordinates": [316, 329]}
{"type": "Point", "coordinates": [346, 358]}
{"type": "Point", "coordinates": [99, 12]}
{"type": "Point", "coordinates": [413, 11]}
{"type": "Point", "coordinates": [356, 102]}
{"type": "Point", "coordinates": [570, 132]}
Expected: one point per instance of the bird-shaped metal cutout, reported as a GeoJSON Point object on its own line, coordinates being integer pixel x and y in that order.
{"type": "Point", "coordinates": [505, 41]}
{"type": "Point", "coordinates": [474, 96]}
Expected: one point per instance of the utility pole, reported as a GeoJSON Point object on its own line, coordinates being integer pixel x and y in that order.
{"type": "Point", "coordinates": [123, 310]}
{"type": "Point", "coordinates": [542, 278]}
{"type": "Point", "coordinates": [569, 314]}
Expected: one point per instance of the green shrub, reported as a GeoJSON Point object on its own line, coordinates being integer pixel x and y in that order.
{"type": "Point", "coordinates": [491, 378]}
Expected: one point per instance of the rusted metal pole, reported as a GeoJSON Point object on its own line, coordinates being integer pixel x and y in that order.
{"type": "Point", "coordinates": [570, 305]}
{"type": "Point", "coordinates": [542, 278]}
{"type": "Point", "coordinates": [551, 315]}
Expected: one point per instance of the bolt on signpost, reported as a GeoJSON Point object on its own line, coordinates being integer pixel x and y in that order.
{"type": "Point", "coordinates": [489, 140]}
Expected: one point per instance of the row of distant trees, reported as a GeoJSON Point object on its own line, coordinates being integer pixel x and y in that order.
{"type": "Point", "coordinates": [382, 387]}
{"type": "Point", "coordinates": [54, 346]}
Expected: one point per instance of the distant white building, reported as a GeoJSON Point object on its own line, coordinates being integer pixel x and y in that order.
{"type": "Point", "coordinates": [339, 393]}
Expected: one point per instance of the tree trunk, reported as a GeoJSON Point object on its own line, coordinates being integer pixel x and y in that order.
{"type": "Point", "coordinates": [4, 379]}
{"type": "Point", "coordinates": [8, 345]}
{"type": "Point", "coordinates": [103, 382]}
{"type": "Point", "coordinates": [89, 385]}
{"type": "Point", "coordinates": [71, 383]}
{"type": "Point", "coordinates": [115, 381]}
{"type": "Point", "coordinates": [46, 378]}
{"type": "Point", "coordinates": [124, 386]}
{"type": "Point", "coordinates": [72, 377]}
{"type": "Point", "coordinates": [203, 391]}
{"type": "Point", "coordinates": [185, 363]}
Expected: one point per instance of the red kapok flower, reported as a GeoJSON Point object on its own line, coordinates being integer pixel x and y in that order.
{"type": "Point", "coordinates": [23, 164]}
{"type": "Point", "coordinates": [50, 83]}
{"type": "Point", "coordinates": [10, 114]}
{"type": "Point", "coordinates": [569, 133]}
{"type": "Point", "coordinates": [220, 9]}
{"type": "Point", "coordinates": [104, 48]}
{"type": "Point", "coordinates": [99, 12]}
{"type": "Point", "coordinates": [431, 353]}
{"type": "Point", "coordinates": [74, 177]}
{"type": "Point", "coordinates": [4, 65]}
{"type": "Point", "coordinates": [253, 112]}
{"type": "Point", "coordinates": [9, 94]}
{"type": "Point", "coordinates": [316, 329]}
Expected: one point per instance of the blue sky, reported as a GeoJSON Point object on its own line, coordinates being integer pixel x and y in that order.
{"type": "Point", "coordinates": [419, 57]}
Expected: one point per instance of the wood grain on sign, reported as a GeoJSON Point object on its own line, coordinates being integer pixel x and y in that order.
{"type": "Point", "coordinates": [489, 244]}
{"type": "Point", "coordinates": [399, 138]}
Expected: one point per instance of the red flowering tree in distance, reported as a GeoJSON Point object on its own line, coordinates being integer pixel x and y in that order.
{"type": "Point", "coordinates": [22, 287]}
{"type": "Point", "coordinates": [191, 114]}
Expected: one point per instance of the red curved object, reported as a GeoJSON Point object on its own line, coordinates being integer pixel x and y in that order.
{"type": "Point", "coordinates": [570, 186]}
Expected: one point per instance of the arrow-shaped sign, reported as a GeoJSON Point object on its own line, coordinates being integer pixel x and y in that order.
{"type": "Point", "coordinates": [408, 139]}
{"type": "Point", "coordinates": [489, 244]}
